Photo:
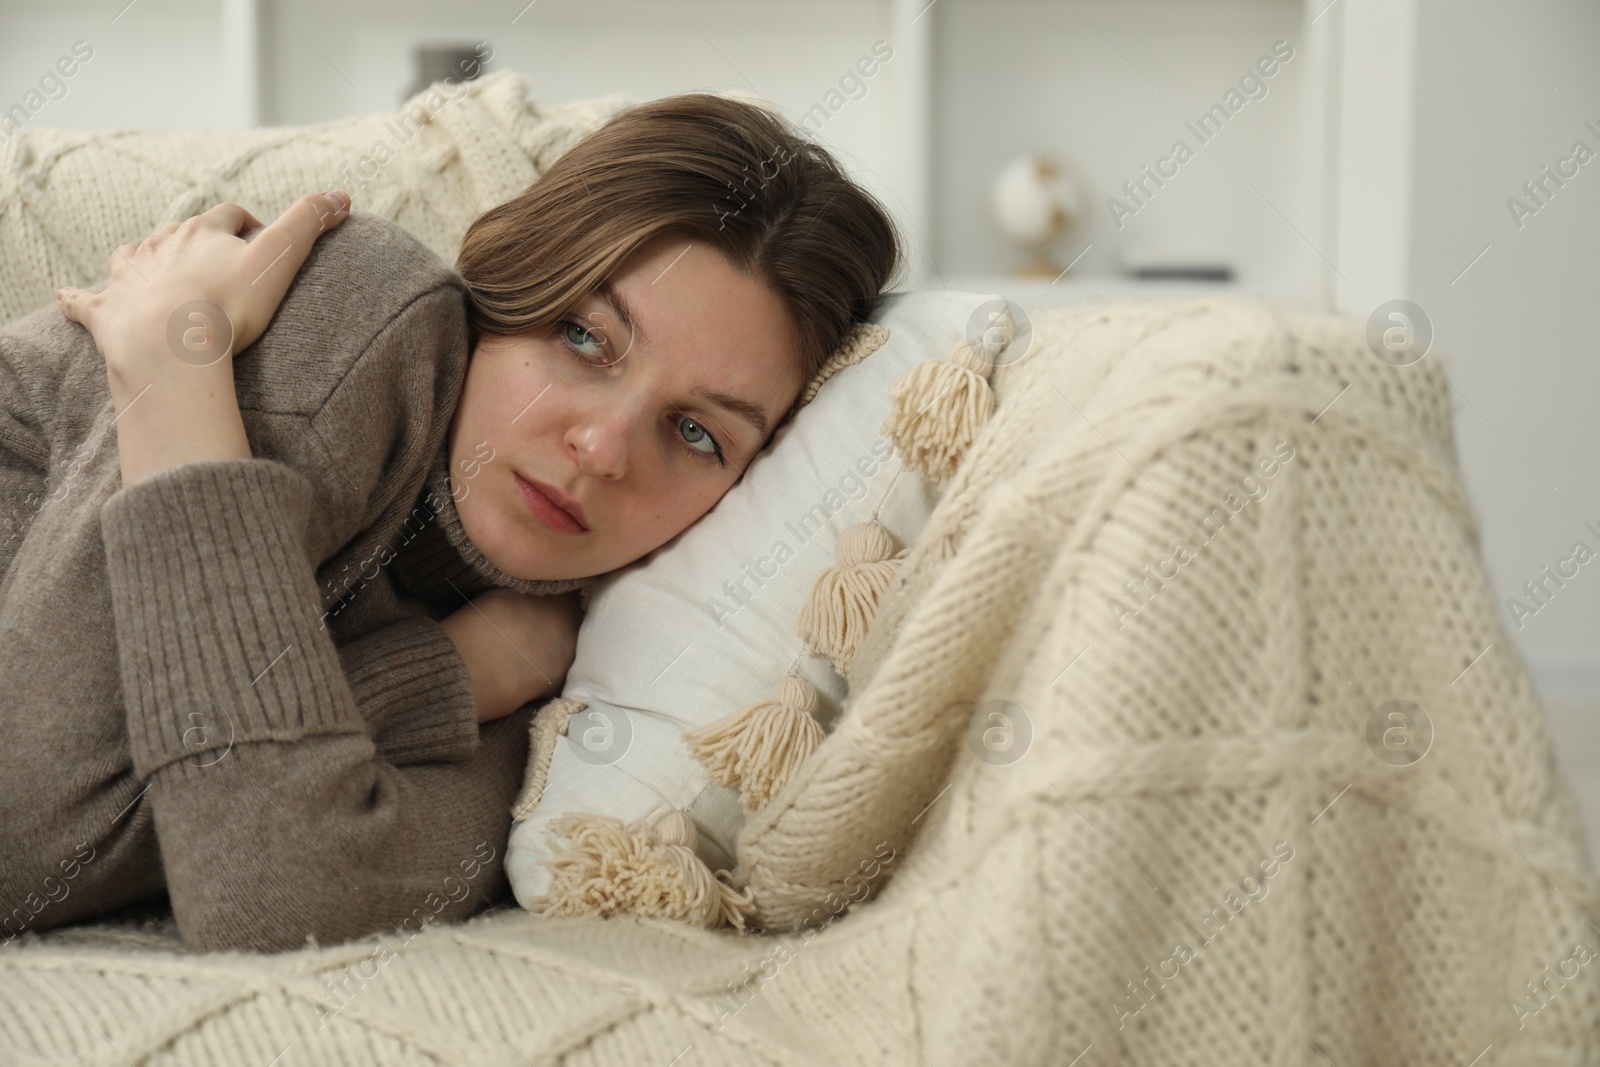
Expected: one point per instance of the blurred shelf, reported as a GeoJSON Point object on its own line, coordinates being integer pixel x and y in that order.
{"type": "Point", "coordinates": [1083, 289]}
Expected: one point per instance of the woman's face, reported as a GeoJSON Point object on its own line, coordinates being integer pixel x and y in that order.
{"type": "Point", "coordinates": [641, 424]}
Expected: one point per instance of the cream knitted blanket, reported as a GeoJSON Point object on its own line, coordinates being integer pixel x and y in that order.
{"type": "Point", "coordinates": [1216, 846]}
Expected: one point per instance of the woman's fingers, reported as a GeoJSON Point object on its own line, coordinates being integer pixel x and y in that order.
{"type": "Point", "coordinates": [201, 259]}
{"type": "Point", "coordinates": [230, 218]}
{"type": "Point", "coordinates": [280, 249]}
{"type": "Point", "coordinates": [73, 303]}
{"type": "Point", "coordinates": [155, 239]}
{"type": "Point", "coordinates": [122, 258]}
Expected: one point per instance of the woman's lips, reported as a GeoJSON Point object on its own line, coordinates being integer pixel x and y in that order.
{"type": "Point", "coordinates": [545, 509]}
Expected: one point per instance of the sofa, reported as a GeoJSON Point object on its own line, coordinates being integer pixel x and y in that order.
{"type": "Point", "coordinates": [1276, 803]}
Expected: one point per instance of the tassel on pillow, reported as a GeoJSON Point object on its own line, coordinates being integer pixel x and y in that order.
{"type": "Point", "coordinates": [757, 750]}
{"type": "Point", "coordinates": [647, 867]}
{"type": "Point", "coordinates": [844, 599]}
{"type": "Point", "coordinates": [549, 724]}
{"type": "Point", "coordinates": [939, 407]}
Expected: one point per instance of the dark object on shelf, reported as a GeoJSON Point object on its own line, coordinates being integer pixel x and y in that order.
{"type": "Point", "coordinates": [458, 63]}
{"type": "Point", "coordinates": [1220, 272]}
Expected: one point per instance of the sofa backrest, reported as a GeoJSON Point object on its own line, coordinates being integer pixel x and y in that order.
{"type": "Point", "coordinates": [453, 151]}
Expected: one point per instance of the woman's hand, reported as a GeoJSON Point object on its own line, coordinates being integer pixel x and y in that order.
{"type": "Point", "coordinates": [517, 647]}
{"type": "Point", "coordinates": [176, 308]}
{"type": "Point", "coordinates": [195, 292]}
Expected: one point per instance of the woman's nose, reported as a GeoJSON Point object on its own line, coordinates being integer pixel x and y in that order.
{"type": "Point", "coordinates": [600, 443]}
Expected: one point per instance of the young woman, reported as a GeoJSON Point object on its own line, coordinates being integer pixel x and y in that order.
{"type": "Point", "coordinates": [294, 509]}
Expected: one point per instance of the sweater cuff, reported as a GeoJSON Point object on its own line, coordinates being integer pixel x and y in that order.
{"type": "Point", "coordinates": [414, 691]}
{"type": "Point", "coordinates": [216, 612]}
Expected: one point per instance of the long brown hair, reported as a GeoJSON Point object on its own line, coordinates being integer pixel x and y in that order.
{"type": "Point", "coordinates": [729, 173]}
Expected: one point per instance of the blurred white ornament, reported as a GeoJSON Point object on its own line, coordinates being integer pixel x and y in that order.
{"type": "Point", "coordinates": [1034, 201]}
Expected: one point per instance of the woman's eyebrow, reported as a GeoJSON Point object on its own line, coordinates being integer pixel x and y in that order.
{"type": "Point", "coordinates": [749, 412]}
{"type": "Point", "coordinates": [623, 310]}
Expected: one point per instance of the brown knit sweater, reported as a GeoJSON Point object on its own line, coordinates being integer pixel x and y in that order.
{"type": "Point", "coordinates": [227, 682]}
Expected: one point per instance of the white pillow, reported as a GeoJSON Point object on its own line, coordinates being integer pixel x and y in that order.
{"type": "Point", "coordinates": [706, 624]}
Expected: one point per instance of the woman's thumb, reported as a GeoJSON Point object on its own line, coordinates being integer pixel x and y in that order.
{"type": "Point", "coordinates": [70, 301]}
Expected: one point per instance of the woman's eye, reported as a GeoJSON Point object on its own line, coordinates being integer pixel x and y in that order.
{"type": "Point", "coordinates": [571, 328]}
{"type": "Point", "coordinates": [697, 435]}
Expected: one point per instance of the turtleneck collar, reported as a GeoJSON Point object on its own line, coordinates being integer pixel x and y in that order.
{"type": "Point", "coordinates": [440, 564]}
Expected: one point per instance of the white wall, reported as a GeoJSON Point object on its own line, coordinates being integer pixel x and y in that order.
{"type": "Point", "coordinates": [1502, 89]}
{"type": "Point", "coordinates": [152, 65]}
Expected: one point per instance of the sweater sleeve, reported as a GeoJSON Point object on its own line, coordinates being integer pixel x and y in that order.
{"type": "Point", "coordinates": [242, 717]}
{"type": "Point", "coordinates": [24, 443]}
{"type": "Point", "coordinates": [24, 459]}
{"type": "Point", "coordinates": [413, 690]}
